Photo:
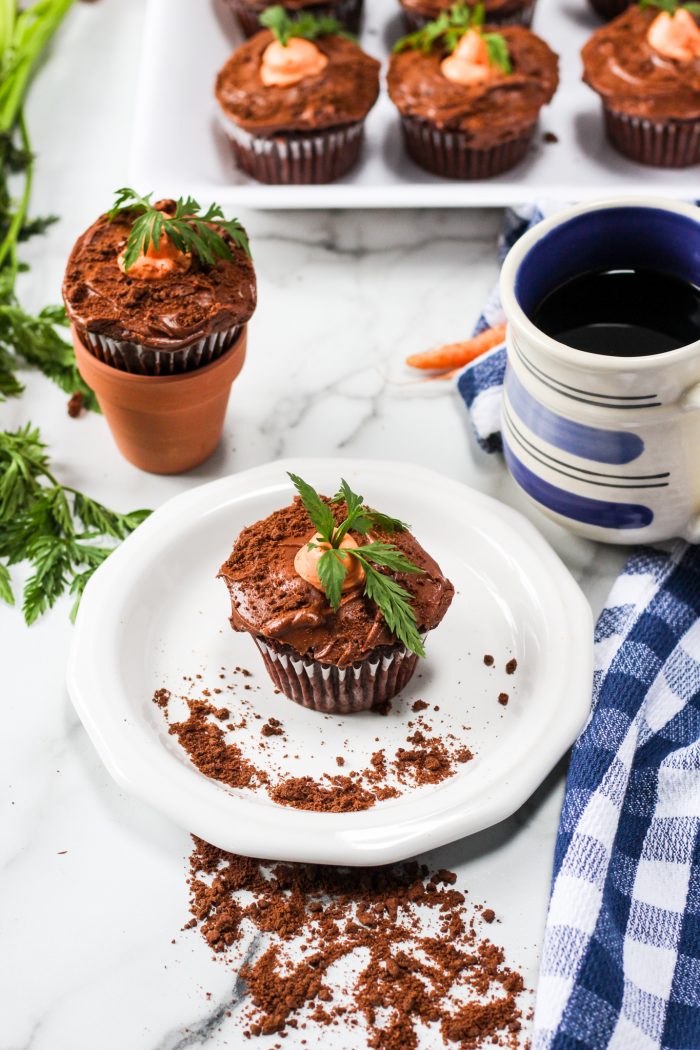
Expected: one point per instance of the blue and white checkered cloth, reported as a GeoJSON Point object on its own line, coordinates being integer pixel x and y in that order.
{"type": "Point", "coordinates": [621, 958]}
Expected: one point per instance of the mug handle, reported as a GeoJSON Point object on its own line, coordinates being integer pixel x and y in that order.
{"type": "Point", "coordinates": [690, 402]}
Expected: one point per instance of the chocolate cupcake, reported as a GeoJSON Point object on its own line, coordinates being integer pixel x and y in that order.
{"type": "Point", "coordinates": [347, 12]}
{"type": "Point", "coordinates": [645, 65]}
{"type": "Point", "coordinates": [470, 96]}
{"type": "Point", "coordinates": [348, 643]}
{"type": "Point", "coordinates": [417, 13]}
{"type": "Point", "coordinates": [294, 100]}
{"type": "Point", "coordinates": [165, 310]}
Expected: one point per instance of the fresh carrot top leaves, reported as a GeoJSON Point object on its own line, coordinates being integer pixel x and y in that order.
{"type": "Point", "coordinates": [392, 600]}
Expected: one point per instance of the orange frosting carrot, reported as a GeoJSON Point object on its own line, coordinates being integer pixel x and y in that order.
{"type": "Point", "coordinates": [469, 62]}
{"type": "Point", "coordinates": [157, 262]}
{"type": "Point", "coordinates": [306, 563]}
{"type": "Point", "coordinates": [286, 64]}
{"type": "Point", "coordinates": [675, 36]}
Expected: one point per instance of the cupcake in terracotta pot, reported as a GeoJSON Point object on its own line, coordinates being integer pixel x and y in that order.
{"type": "Point", "coordinates": [417, 13]}
{"type": "Point", "coordinates": [347, 12]}
{"type": "Point", "coordinates": [294, 99]}
{"type": "Point", "coordinates": [337, 597]}
{"type": "Point", "coordinates": [469, 95]}
{"type": "Point", "coordinates": [158, 297]}
{"type": "Point", "coordinates": [645, 66]}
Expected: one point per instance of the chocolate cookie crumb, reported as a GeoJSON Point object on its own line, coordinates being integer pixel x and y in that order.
{"type": "Point", "coordinates": [161, 698]}
{"type": "Point", "coordinates": [488, 915]}
{"type": "Point", "coordinates": [549, 136]}
{"type": "Point", "coordinates": [488, 660]}
{"type": "Point", "coordinates": [503, 699]}
{"type": "Point", "coordinates": [511, 666]}
{"type": "Point", "coordinates": [420, 959]}
{"type": "Point", "coordinates": [76, 403]}
{"type": "Point", "coordinates": [419, 705]}
{"type": "Point", "coordinates": [273, 727]}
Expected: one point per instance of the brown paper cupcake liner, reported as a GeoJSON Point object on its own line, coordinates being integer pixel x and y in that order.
{"type": "Point", "coordinates": [144, 360]}
{"type": "Point", "coordinates": [348, 12]}
{"type": "Point", "coordinates": [609, 9]}
{"type": "Point", "coordinates": [521, 17]}
{"type": "Point", "coordinates": [667, 144]}
{"type": "Point", "coordinates": [451, 154]}
{"type": "Point", "coordinates": [297, 158]}
{"type": "Point", "coordinates": [338, 690]}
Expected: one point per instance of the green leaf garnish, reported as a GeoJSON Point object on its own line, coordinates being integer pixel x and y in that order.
{"type": "Point", "coordinates": [188, 229]}
{"type": "Point", "coordinates": [25, 31]}
{"type": "Point", "coordinates": [670, 6]}
{"type": "Point", "coordinates": [446, 31]}
{"type": "Point", "coordinates": [320, 513]}
{"type": "Point", "coordinates": [332, 570]}
{"type": "Point", "coordinates": [57, 530]}
{"type": "Point", "coordinates": [498, 52]}
{"type": "Point", "coordinates": [392, 600]}
{"type": "Point", "coordinates": [306, 25]}
{"type": "Point", "coordinates": [394, 603]}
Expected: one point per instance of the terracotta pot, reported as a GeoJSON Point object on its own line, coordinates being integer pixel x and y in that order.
{"type": "Point", "coordinates": [164, 424]}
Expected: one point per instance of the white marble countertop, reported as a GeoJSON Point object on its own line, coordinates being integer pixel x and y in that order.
{"type": "Point", "coordinates": [92, 884]}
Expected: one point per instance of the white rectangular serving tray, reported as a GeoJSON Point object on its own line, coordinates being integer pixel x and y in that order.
{"type": "Point", "coordinates": [179, 147]}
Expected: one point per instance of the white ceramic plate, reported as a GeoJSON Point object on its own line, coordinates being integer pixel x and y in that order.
{"type": "Point", "coordinates": [178, 146]}
{"type": "Point", "coordinates": [155, 612]}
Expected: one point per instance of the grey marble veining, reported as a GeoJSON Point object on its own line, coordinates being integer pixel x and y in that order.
{"type": "Point", "coordinates": [92, 884]}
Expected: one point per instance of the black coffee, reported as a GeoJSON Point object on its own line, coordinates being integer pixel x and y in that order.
{"type": "Point", "coordinates": [622, 313]}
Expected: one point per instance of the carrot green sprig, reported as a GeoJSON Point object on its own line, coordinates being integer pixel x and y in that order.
{"type": "Point", "coordinates": [392, 600]}
{"type": "Point", "coordinates": [189, 229]}
{"type": "Point", "coordinates": [445, 32]}
{"type": "Point", "coordinates": [306, 25]}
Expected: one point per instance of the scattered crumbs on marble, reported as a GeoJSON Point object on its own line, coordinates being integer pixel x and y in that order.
{"type": "Point", "coordinates": [503, 699]}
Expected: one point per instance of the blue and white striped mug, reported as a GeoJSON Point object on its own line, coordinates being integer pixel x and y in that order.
{"type": "Point", "coordinates": [607, 446]}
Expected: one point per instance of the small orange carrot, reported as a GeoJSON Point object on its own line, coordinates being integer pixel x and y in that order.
{"type": "Point", "coordinates": [456, 355]}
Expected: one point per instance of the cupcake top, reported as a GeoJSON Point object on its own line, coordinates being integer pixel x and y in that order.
{"type": "Point", "coordinates": [494, 8]}
{"type": "Point", "coordinates": [299, 75]}
{"type": "Point", "coordinates": [289, 5]}
{"type": "Point", "coordinates": [458, 73]}
{"type": "Point", "coordinates": [197, 280]}
{"type": "Point", "coordinates": [646, 63]}
{"type": "Point", "coordinates": [274, 582]}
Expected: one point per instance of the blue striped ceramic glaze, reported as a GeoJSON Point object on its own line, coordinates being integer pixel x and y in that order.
{"type": "Point", "coordinates": [605, 514]}
{"type": "Point", "coordinates": [587, 442]}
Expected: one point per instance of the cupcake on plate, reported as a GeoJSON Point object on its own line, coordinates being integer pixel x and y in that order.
{"type": "Point", "coordinates": [417, 13]}
{"type": "Point", "coordinates": [337, 597]}
{"type": "Point", "coordinates": [645, 65]}
{"type": "Point", "coordinates": [158, 296]}
{"type": "Point", "coordinates": [347, 12]}
{"type": "Point", "coordinates": [470, 96]}
{"type": "Point", "coordinates": [294, 100]}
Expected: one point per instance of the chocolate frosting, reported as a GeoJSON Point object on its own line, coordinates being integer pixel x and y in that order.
{"type": "Point", "coordinates": [343, 93]}
{"type": "Point", "coordinates": [270, 600]}
{"type": "Point", "coordinates": [493, 8]}
{"type": "Point", "coordinates": [163, 314]}
{"type": "Point", "coordinates": [632, 78]}
{"type": "Point", "coordinates": [289, 5]}
{"type": "Point", "coordinates": [490, 111]}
